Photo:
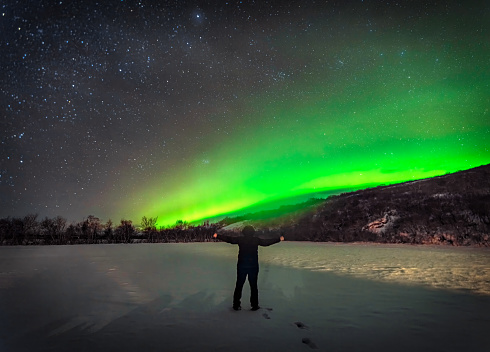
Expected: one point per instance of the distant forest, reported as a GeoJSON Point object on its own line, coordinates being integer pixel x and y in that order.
{"type": "Point", "coordinates": [453, 209]}
{"type": "Point", "coordinates": [30, 231]}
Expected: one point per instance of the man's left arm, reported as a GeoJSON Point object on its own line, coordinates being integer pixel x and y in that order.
{"type": "Point", "coordinates": [269, 241]}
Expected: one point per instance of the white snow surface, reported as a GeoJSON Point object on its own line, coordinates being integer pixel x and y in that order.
{"type": "Point", "coordinates": [177, 297]}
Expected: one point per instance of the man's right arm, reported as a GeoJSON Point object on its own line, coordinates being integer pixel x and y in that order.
{"type": "Point", "coordinates": [227, 238]}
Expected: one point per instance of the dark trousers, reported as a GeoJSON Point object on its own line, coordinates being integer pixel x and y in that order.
{"type": "Point", "coordinates": [241, 275]}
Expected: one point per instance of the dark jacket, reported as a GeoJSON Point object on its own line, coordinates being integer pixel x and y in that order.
{"type": "Point", "coordinates": [248, 248]}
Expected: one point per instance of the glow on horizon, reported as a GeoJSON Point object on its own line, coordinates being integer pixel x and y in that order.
{"type": "Point", "coordinates": [325, 134]}
{"type": "Point", "coordinates": [228, 183]}
{"type": "Point", "coordinates": [244, 171]}
{"type": "Point", "coordinates": [353, 180]}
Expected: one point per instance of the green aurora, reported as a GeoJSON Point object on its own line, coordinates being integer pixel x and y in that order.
{"type": "Point", "coordinates": [391, 113]}
{"type": "Point", "coordinates": [321, 144]}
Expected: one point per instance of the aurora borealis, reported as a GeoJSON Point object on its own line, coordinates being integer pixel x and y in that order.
{"type": "Point", "coordinates": [190, 110]}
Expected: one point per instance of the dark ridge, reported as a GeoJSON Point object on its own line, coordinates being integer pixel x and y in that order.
{"type": "Point", "coordinates": [452, 209]}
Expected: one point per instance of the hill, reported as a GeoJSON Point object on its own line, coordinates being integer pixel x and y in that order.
{"type": "Point", "coordinates": [451, 209]}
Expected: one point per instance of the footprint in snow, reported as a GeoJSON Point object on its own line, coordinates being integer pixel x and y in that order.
{"type": "Point", "coordinates": [266, 315]}
{"type": "Point", "coordinates": [309, 343]}
{"type": "Point", "coordinates": [300, 325]}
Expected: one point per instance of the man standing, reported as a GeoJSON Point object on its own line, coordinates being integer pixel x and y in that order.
{"type": "Point", "coordinates": [248, 263]}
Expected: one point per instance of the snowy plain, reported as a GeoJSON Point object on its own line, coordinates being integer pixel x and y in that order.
{"type": "Point", "coordinates": [177, 297]}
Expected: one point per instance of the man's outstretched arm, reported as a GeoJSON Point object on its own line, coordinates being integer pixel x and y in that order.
{"type": "Point", "coordinates": [226, 238]}
{"type": "Point", "coordinates": [270, 241]}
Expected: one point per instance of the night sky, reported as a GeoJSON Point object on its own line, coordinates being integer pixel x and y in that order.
{"type": "Point", "coordinates": [190, 109]}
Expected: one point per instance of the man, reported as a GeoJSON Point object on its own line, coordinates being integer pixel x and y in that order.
{"type": "Point", "coordinates": [248, 263]}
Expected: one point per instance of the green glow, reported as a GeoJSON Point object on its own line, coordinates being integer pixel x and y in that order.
{"type": "Point", "coordinates": [331, 132]}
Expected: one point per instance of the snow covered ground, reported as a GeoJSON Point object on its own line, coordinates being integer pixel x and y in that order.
{"type": "Point", "coordinates": [177, 297]}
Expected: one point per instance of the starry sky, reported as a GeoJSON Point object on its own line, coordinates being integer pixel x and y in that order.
{"type": "Point", "coordinates": [190, 109]}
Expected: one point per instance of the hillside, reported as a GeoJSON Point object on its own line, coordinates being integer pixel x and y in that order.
{"type": "Point", "coordinates": [451, 209]}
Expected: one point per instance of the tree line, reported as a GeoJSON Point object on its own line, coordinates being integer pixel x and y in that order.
{"type": "Point", "coordinates": [452, 209]}
{"type": "Point", "coordinates": [28, 230]}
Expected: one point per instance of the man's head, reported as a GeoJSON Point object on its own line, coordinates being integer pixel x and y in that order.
{"type": "Point", "coordinates": [248, 231]}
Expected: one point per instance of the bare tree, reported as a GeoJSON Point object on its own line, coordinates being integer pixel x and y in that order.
{"type": "Point", "coordinates": [31, 227]}
{"type": "Point", "coordinates": [125, 231]}
{"type": "Point", "coordinates": [53, 230]}
{"type": "Point", "coordinates": [148, 225]}
{"type": "Point", "coordinates": [181, 224]}
{"type": "Point", "coordinates": [94, 228]}
{"type": "Point", "coordinates": [109, 231]}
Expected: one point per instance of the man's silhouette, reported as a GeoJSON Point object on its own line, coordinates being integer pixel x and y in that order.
{"type": "Point", "coordinates": [248, 263]}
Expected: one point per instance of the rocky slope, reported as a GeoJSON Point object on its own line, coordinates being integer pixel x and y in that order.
{"type": "Point", "coordinates": [453, 209]}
